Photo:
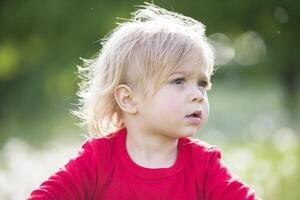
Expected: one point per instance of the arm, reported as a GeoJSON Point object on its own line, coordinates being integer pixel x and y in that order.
{"type": "Point", "coordinates": [75, 181]}
{"type": "Point", "coordinates": [221, 184]}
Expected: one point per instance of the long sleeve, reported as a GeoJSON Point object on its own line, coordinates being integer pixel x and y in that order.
{"type": "Point", "coordinates": [76, 180]}
{"type": "Point", "coordinates": [220, 184]}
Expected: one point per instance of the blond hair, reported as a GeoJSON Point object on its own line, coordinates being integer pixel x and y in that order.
{"type": "Point", "coordinates": [140, 52]}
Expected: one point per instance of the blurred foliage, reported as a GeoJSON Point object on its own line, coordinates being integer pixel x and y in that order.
{"type": "Point", "coordinates": [256, 87]}
{"type": "Point", "coordinates": [41, 42]}
{"type": "Point", "coordinates": [268, 164]}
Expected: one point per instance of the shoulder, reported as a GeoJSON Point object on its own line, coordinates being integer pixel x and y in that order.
{"type": "Point", "coordinates": [201, 155]}
{"type": "Point", "coordinates": [199, 146]}
{"type": "Point", "coordinates": [98, 154]}
{"type": "Point", "coordinates": [97, 145]}
{"type": "Point", "coordinates": [201, 151]}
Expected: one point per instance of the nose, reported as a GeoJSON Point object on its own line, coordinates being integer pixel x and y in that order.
{"type": "Point", "coordinates": [197, 94]}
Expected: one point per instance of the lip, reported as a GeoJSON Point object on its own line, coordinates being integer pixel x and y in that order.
{"type": "Point", "coordinates": [194, 118]}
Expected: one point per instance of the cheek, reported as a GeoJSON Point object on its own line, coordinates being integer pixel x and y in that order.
{"type": "Point", "coordinates": [206, 107]}
{"type": "Point", "coordinates": [170, 104]}
{"type": "Point", "coordinates": [167, 107]}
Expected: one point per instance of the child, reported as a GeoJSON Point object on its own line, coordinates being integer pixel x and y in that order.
{"type": "Point", "coordinates": [149, 84]}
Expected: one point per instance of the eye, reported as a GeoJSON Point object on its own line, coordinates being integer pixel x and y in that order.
{"type": "Point", "coordinates": [178, 81]}
{"type": "Point", "coordinates": [203, 84]}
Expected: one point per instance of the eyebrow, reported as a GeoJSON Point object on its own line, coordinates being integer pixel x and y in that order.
{"type": "Point", "coordinates": [190, 73]}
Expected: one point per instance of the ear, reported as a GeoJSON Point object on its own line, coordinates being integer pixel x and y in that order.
{"type": "Point", "coordinates": [124, 97]}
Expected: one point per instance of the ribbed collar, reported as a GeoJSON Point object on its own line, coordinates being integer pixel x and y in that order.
{"type": "Point", "coordinates": [149, 173]}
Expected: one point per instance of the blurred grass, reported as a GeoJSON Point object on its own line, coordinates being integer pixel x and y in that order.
{"type": "Point", "coordinates": [248, 118]}
{"type": "Point", "coordinates": [247, 121]}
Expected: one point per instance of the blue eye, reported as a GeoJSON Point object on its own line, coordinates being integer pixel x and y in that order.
{"type": "Point", "coordinates": [178, 81]}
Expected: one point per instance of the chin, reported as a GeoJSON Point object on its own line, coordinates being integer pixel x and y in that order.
{"type": "Point", "coordinates": [189, 132]}
{"type": "Point", "coordinates": [183, 132]}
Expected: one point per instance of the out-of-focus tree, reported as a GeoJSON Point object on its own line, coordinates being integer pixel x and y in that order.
{"type": "Point", "coordinates": [277, 22]}
{"type": "Point", "coordinates": [41, 42]}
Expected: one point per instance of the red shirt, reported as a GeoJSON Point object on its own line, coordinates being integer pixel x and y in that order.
{"type": "Point", "coordinates": [104, 170]}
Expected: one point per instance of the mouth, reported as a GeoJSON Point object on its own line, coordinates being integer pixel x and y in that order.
{"type": "Point", "coordinates": [196, 114]}
{"type": "Point", "coordinates": [194, 118]}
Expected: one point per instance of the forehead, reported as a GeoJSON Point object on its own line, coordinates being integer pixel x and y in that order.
{"type": "Point", "coordinates": [193, 69]}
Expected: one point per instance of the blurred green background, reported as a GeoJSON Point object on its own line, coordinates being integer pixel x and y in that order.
{"type": "Point", "coordinates": [255, 100]}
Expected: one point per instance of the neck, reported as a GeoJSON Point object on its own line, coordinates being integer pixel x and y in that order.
{"type": "Point", "coordinates": [151, 150]}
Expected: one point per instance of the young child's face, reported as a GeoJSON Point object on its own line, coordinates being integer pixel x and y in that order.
{"type": "Point", "coordinates": [180, 107]}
